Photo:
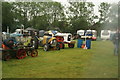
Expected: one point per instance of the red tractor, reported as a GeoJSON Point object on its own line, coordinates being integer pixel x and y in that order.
{"type": "Point", "coordinates": [63, 38]}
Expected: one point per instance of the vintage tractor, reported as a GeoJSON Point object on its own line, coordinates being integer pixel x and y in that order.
{"type": "Point", "coordinates": [13, 49]}
{"type": "Point", "coordinates": [66, 38]}
{"type": "Point", "coordinates": [47, 42]}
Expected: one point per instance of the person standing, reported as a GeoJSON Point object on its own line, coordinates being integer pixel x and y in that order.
{"type": "Point", "coordinates": [115, 40]}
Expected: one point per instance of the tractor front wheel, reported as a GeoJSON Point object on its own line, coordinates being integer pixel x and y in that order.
{"type": "Point", "coordinates": [46, 47]}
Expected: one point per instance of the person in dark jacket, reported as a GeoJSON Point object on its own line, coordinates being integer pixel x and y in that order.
{"type": "Point", "coordinates": [115, 40]}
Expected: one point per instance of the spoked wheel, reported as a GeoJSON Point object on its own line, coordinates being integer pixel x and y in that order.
{"type": "Point", "coordinates": [34, 53]}
{"type": "Point", "coordinates": [21, 53]}
{"type": "Point", "coordinates": [71, 45]}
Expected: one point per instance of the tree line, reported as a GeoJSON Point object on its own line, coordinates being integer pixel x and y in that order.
{"type": "Point", "coordinates": [55, 16]}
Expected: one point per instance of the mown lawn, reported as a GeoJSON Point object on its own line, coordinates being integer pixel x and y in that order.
{"type": "Point", "coordinates": [98, 62]}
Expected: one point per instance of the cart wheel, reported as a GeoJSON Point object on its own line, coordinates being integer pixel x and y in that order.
{"type": "Point", "coordinates": [28, 53]}
{"type": "Point", "coordinates": [21, 53]}
{"type": "Point", "coordinates": [71, 45]}
{"type": "Point", "coordinates": [34, 53]}
{"type": "Point", "coordinates": [6, 57]}
{"type": "Point", "coordinates": [46, 47]}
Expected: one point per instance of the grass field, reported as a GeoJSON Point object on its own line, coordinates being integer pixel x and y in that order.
{"type": "Point", "coordinates": [97, 62]}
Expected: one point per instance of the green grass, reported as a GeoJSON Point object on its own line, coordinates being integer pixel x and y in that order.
{"type": "Point", "coordinates": [97, 62]}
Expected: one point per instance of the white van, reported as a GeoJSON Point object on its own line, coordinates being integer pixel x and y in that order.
{"type": "Point", "coordinates": [80, 32]}
{"type": "Point", "coordinates": [105, 34]}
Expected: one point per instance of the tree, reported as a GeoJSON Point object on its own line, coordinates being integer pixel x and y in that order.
{"type": "Point", "coordinates": [103, 10]}
{"type": "Point", "coordinates": [81, 15]}
{"type": "Point", "coordinates": [21, 13]}
{"type": "Point", "coordinates": [54, 12]}
{"type": "Point", "coordinates": [7, 16]}
{"type": "Point", "coordinates": [112, 21]}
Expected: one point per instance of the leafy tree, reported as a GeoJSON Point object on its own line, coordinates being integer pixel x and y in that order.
{"type": "Point", "coordinates": [103, 10]}
{"type": "Point", "coordinates": [7, 16]}
{"type": "Point", "coordinates": [21, 13]}
{"type": "Point", "coordinates": [81, 15]}
{"type": "Point", "coordinates": [112, 21]}
{"type": "Point", "coordinates": [54, 12]}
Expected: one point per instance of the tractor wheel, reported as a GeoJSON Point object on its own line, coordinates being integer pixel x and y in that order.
{"type": "Point", "coordinates": [58, 47]}
{"type": "Point", "coordinates": [62, 46]}
{"type": "Point", "coordinates": [34, 53]}
{"type": "Point", "coordinates": [6, 57]}
{"type": "Point", "coordinates": [21, 53]}
{"type": "Point", "coordinates": [71, 45]}
{"type": "Point", "coordinates": [46, 47]}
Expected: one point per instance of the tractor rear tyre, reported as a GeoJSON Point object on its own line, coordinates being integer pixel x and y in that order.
{"type": "Point", "coordinates": [21, 53]}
